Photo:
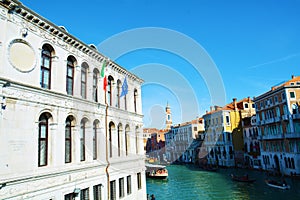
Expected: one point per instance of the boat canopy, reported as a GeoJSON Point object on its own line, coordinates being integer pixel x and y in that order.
{"type": "Point", "coordinates": [155, 166]}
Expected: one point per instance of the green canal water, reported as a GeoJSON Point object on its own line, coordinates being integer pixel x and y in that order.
{"type": "Point", "coordinates": [186, 183]}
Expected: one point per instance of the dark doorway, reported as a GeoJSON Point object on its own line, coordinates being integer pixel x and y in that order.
{"type": "Point", "coordinates": [277, 166]}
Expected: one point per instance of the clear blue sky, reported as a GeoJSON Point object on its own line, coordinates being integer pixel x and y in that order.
{"type": "Point", "coordinates": [254, 44]}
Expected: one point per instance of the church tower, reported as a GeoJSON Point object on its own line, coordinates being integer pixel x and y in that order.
{"type": "Point", "coordinates": [168, 117]}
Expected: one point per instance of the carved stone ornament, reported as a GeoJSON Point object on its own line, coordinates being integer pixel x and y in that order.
{"type": "Point", "coordinates": [21, 55]}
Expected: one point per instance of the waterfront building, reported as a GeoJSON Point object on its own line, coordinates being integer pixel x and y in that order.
{"type": "Point", "coordinates": [154, 139]}
{"type": "Point", "coordinates": [65, 130]}
{"type": "Point", "coordinates": [251, 143]}
{"type": "Point", "coordinates": [278, 121]}
{"type": "Point", "coordinates": [223, 133]}
{"type": "Point", "coordinates": [179, 140]}
{"type": "Point", "coordinates": [147, 132]}
{"type": "Point", "coordinates": [155, 142]}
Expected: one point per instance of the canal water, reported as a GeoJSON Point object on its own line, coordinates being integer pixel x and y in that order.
{"type": "Point", "coordinates": [188, 183]}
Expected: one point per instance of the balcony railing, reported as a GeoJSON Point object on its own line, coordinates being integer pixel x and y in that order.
{"type": "Point", "coordinates": [270, 137]}
{"type": "Point", "coordinates": [285, 117]}
{"type": "Point", "coordinates": [268, 121]}
{"type": "Point", "coordinates": [292, 135]}
{"type": "Point", "coordinates": [277, 119]}
{"type": "Point", "coordinates": [296, 116]}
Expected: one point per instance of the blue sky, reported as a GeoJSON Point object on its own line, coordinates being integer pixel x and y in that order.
{"type": "Point", "coordinates": [254, 45]}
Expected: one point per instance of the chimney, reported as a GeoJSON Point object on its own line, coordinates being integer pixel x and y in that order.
{"type": "Point", "coordinates": [211, 108]}
{"type": "Point", "coordinates": [249, 99]}
{"type": "Point", "coordinates": [206, 112]}
{"type": "Point", "coordinates": [272, 88]}
{"type": "Point", "coordinates": [293, 76]}
{"type": "Point", "coordinates": [234, 104]}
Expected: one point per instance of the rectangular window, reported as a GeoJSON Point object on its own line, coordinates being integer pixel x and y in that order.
{"type": "Point", "coordinates": [292, 95]}
{"type": "Point", "coordinates": [97, 192]}
{"type": "Point", "coordinates": [121, 187]}
{"type": "Point", "coordinates": [128, 184]}
{"type": "Point", "coordinates": [113, 190]}
{"type": "Point", "coordinates": [283, 96]}
{"type": "Point", "coordinates": [139, 180]}
{"type": "Point", "coordinates": [84, 194]}
{"type": "Point", "coordinates": [227, 120]}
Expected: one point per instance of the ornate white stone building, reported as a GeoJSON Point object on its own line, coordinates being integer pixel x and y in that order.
{"type": "Point", "coordinates": [179, 141]}
{"type": "Point", "coordinates": [62, 136]}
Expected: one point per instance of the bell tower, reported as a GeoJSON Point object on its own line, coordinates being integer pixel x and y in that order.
{"type": "Point", "coordinates": [168, 117]}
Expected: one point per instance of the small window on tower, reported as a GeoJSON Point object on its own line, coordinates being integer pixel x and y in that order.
{"type": "Point", "coordinates": [169, 117]}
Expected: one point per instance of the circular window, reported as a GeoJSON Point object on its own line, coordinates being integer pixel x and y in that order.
{"type": "Point", "coordinates": [21, 55]}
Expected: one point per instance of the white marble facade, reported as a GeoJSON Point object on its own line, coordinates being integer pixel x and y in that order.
{"type": "Point", "coordinates": [105, 145]}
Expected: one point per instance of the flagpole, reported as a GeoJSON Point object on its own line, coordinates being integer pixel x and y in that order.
{"type": "Point", "coordinates": [106, 146]}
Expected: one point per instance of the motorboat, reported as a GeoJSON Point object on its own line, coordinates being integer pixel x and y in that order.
{"type": "Point", "coordinates": [156, 171]}
{"type": "Point", "coordinates": [278, 184]}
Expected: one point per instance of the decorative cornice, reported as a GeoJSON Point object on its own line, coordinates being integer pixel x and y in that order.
{"type": "Point", "coordinates": [17, 8]}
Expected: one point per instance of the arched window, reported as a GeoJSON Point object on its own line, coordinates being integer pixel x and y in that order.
{"type": "Point", "coordinates": [43, 139]}
{"type": "Point", "coordinates": [292, 163]}
{"type": "Point", "coordinates": [277, 111]}
{"type": "Point", "coordinates": [119, 135]}
{"type": "Point", "coordinates": [127, 139]}
{"type": "Point", "coordinates": [285, 109]}
{"type": "Point", "coordinates": [137, 139]}
{"type": "Point", "coordinates": [119, 86]}
{"type": "Point", "coordinates": [84, 69]}
{"type": "Point", "coordinates": [285, 162]}
{"type": "Point", "coordinates": [95, 85]}
{"type": "Point", "coordinates": [95, 138]}
{"type": "Point", "coordinates": [110, 142]}
{"type": "Point", "coordinates": [68, 139]}
{"type": "Point", "coordinates": [82, 139]}
{"type": "Point", "coordinates": [109, 90]}
{"type": "Point", "coordinates": [251, 147]}
{"type": "Point", "coordinates": [46, 62]}
{"type": "Point", "coordinates": [125, 102]}
{"type": "Point", "coordinates": [135, 100]}
{"type": "Point", "coordinates": [289, 163]}
{"type": "Point", "coordinates": [71, 62]}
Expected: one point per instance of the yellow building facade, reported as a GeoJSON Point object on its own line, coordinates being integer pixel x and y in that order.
{"type": "Point", "coordinates": [223, 132]}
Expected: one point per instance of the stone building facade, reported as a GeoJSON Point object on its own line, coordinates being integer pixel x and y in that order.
{"type": "Point", "coordinates": [63, 135]}
{"type": "Point", "coordinates": [278, 121]}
